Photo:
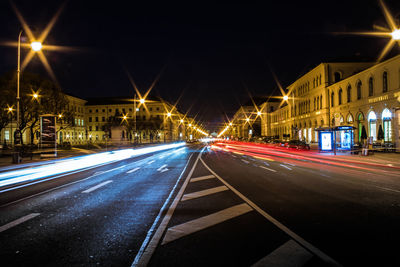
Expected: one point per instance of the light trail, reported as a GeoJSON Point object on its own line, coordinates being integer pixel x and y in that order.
{"type": "Point", "coordinates": [77, 163]}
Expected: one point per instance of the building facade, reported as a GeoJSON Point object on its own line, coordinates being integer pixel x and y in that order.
{"type": "Point", "coordinates": [362, 95]}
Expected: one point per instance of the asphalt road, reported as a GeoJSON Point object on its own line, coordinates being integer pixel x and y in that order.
{"type": "Point", "coordinates": [215, 208]}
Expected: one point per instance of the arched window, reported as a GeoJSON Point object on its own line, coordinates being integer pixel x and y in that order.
{"type": "Point", "coordinates": [350, 118]}
{"type": "Point", "coordinates": [359, 84]}
{"type": "Point", "coordinates": [372, 125]}
{"type": "Point", "coordinates": [340, 96]}
{"type": "Point", "coordinates": [341, 120]}
{"type": "Point", "coordinates": [332, 99]}
{"type": "Point", "coordinates": [385, 82]}
{"type": "Point", "coordinates": [387, 125]}
{"type": "Point", "coordinates": [349, 93]}
{"type": "Point", "coordinates": [317, 102]}
{"type": "Point", "coordinates": [337, 76]}
{"type": "Point", "coordinates": [371, 86]}
{"type": "Point", "coordinates": [320, 102]}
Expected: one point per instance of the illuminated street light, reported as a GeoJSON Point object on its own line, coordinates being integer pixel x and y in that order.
{"type": "Point", "coordinates": [285, 97]}
{"type": "Point", "coordinates": [247, 119]}
{"type": "Point", "coordinates": [10, 109]}
{"type": "Point", "coordinates": [169, 114]}
{"type": "Point", "coordinates": [124, 117]}
{"type": "Point", "coordinates": [190, 125]}
{"type": "Point", "coordinates": [36, 46]}
{"type": "Point", "coordinates": [142, 101]}
{"type": "Point", "coordinates": [258, 113]}
{"type": "Point", "coordinates": [181, 120]}
{"type": "Point", "coordinates": [396, 35]}
{"type": "Point", "coordinates": [230, 124]}
{"type": "Point", "coordinates": [60, 116]}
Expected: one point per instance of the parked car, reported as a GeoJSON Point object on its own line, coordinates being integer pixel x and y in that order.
{"type": "Point", "coordinates": [297, 144]}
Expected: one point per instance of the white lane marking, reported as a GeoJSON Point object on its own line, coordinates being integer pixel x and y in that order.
{"type": "Point", "coordinates": [201, 178]}
{"type": "Point", "coordinates": [97, 186]}
{"type": "Point", "coordinates": [133, 170]}
{"type": "Point", "coordinates": [246, 161]}
{"type": "Point", "coordinates": [234, 156]}
{"type": "Point", "coordinates": [97, 173]}
{"type": "Point", "coordinates": [203, 193]}
{"type": "Point", "coordinates": [162, 167]}
{"type": "Point", "coordinates": [148, 246]}
{"type": "Point", "coordinates": [289, 254]}
{"type": "Point", "coordinates": [291, 164]}
{"type": "Point", "coordinates": [388, 189]}
{"type": "Point", "coordinates": [284, 166]}
{"type": "Point", "coordinates": [289, 232]}
{"type": "Point", "coordinates": [150, 162]}
{"type": "Point", "coordinates": [164, 170]}
{"type": "Point", "coordinates": [272, 170]}
{"type": "Point", "coordinates": [113, 169]}
{"type": "Point", "coordinates": [18, 221]}
{"type": "Point", "coordinates": [196, 225]}
{"type": "Point", "coordinates": [266, 163]}
{"type": "Point", "coordinates": [160, 157]}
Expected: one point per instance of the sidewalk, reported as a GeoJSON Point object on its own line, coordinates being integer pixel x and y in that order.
{"type": "Point", "coordinates": [378, 158]}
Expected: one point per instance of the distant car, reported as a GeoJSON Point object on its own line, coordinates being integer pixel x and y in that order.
{"type": "Point", "coordinates": [297, 144]}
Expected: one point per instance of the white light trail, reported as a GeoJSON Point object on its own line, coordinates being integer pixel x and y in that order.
{"type": "Point", "coordinates": [77, 163]}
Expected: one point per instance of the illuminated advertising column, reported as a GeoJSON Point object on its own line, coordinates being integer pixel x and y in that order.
{"type": "Point", "coordinates": [48, 136]}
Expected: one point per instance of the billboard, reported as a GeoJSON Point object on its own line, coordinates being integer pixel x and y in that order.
{"type": "Point", "coordinates": [326, 141]}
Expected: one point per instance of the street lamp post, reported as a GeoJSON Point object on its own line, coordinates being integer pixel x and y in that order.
{"type": "Point", "coordinates": [36, 46]}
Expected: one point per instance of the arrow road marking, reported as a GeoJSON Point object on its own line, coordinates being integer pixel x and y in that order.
{"type": "Point", "coordinates": [18, 221]}
{"type": "Point", "coordinates": [162, 167]}
{"type": "Point", "coordinates": [97, 186]}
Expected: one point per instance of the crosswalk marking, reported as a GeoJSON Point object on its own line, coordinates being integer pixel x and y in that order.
{"type": "Point", "coordinates": [97, 186]}
{"type": "Point", "coordinates": [290, 254]}
{"type": "Point", "coordinates": [272, 170]}
{"type": "Point", "coordinates": [201, 178]}
{"type": "Point", "coordinates": [204, 193]}
{"type": "Point", "coordinates": [196, 225]}
{"type": "Point", "coordinates": [18, 221]}
{"type": "Point", "coordinates": [133, 170]}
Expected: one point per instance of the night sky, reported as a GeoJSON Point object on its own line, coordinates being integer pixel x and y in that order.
{"type": "Point", "coordinates": [211, 54]}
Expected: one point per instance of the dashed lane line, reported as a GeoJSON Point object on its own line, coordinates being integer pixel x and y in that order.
{"type": "Point", "coordinates": [289, 254]}
{"type": "Point", "coordinates": [150, 162]}
{"type": "Point", "coordinates": [97, 186]}
{"type": "Point", "coordinates": [278, 224]}
{"type": "Point", "coordinates": [18, 221]}
{"type": "Point", "coordinates": [269, 169]}
{"type": "Point", "coordinates": [196, 225]}
{"type": "Point", "coordinates": [202, 178]}
{"type": "Point", "coordinates": [133, 170]}
{"type": "Point", "coordinates": [203, 193]}
{"type": "Point", "coordinates": [284, 166]}
{"type": "Point", "coordinates": [164, 170]}
{"type": "Point", "coordinates": [246, 161]}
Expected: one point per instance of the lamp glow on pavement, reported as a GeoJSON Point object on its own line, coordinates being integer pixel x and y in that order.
{"type": "Point", "coordinates": [77, 163]}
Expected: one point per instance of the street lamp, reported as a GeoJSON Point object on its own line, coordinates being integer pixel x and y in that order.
{"type": "Point", "coordinates": [396, 35]}
{"type": "Point", "coordinates": [258, 113]}
{"type": "Point", "coordinates": [36, 46]}
{"type": "Point", "coordinates": [141, 101]}
{"type": "Point", "coordinates": [285, 97]}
